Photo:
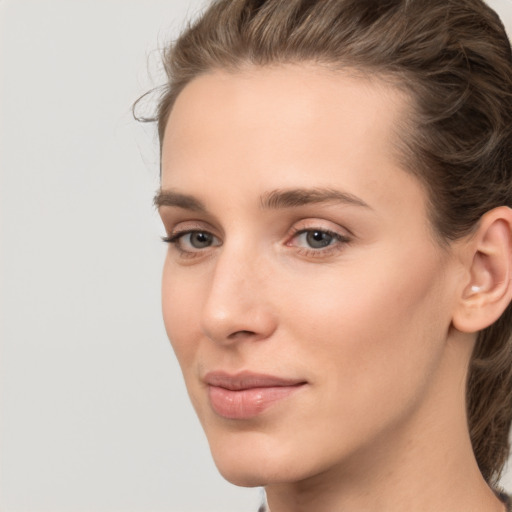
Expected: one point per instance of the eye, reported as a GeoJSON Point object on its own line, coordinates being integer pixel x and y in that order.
{"type": "Point", "coordinates": [317, 239]}
{"type": "Point", "coordinates": [317, 242]}
{"type": "Point", "coordinates": [197, 239]}
{"type": "Point", "coordinates": [192, 241]}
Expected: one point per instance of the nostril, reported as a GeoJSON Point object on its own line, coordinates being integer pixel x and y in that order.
{"type": "Point", "coordinates": [241, 333]}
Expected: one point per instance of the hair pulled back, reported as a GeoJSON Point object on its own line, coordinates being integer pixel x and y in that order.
{"type": "Point", "coordinates": [454, 60]}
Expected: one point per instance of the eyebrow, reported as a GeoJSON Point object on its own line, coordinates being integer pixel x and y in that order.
{"type": "Point", "coordinates": [276, 199]}
{"type": "Point", "coordinates": [179, 200]}
{"type": "Point", "coordinates": [291, 198]}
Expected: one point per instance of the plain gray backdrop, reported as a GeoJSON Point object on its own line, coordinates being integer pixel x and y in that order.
{"type": "Point", "coordinates": [93, 411]}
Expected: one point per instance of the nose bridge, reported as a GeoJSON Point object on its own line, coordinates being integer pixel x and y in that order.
{"type": "Point", "coordinates": [237, 304]}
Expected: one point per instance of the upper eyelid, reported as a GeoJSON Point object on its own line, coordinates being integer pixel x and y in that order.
{"type": "Point", "coordinates": [311, 224]}
{"type": "Point", "coordinates": [182, 232]}
{"type": "Point", "coordinates": [173, 216]}
{"type": "Point", "coordinates": [339, 237]}
{"type": "Point", "coordinates": [178, 234]}
{"type": "Point", "coordinates": [189, 225]}
{"type": "Point", "coordinates": [318, 227]}
{"type": "Point", "coordinates": [182, 227]}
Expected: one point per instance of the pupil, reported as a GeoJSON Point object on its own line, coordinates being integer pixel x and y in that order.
{"type": "Point", "coordinates": [318, 239]}
{"type": "Point", "coordinates": [200, 240]}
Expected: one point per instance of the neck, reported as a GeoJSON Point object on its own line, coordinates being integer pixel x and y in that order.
{"type": "Point", "coordinates": [406, 480]}
{"type": "Point", "coordinates": [425, 464]}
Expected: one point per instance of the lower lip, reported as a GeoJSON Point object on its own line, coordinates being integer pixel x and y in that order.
{"type": "Point", "coordinates": [247, 403]}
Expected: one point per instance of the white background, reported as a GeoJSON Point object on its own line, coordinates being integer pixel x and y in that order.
{"type": "Point", "coordinates": [93, 412]}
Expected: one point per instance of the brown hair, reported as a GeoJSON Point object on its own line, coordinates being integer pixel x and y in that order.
{"type": "Point", "coordinates": [454, 59]}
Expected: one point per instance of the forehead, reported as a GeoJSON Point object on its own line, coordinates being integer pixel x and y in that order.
{"type": "Point", "coordinates": [290, 125]}
{"type": "Point", "coordinates": [292, 101]}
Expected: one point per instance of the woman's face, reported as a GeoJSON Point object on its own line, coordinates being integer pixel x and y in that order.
{"type": "Point", "coordinates": [303, 292]}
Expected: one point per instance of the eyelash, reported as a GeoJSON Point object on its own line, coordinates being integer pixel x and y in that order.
{"type": "Point", "coordinates": [174, 240]}
{"type": "Point", "coordinates": [339, 242]}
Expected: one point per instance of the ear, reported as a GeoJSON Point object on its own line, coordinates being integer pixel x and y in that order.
{"type": "Point", "coordinates": [488, 291]}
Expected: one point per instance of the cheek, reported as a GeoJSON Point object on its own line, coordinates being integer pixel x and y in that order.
{"type": "Point", "coordinates": [180, 309]}
{"type": "Point", "coordinates": [376, 324]}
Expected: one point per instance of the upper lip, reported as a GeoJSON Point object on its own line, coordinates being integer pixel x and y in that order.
{"type": "Point", "coordinates": [248, 380]}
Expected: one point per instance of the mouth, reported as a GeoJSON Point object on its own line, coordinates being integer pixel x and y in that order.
{"type": "Point", "coordinates": [246, 395]}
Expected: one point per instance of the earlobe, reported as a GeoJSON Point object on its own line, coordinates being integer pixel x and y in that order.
{"type": "Point", "coordinates": [489, 290]}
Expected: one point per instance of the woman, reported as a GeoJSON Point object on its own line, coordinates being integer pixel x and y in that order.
{"type": "Point", "coordinates": [335, 190]}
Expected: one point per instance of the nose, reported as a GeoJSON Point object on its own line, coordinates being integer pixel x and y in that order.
{"type": "Point", "coordinates": [237, 306]}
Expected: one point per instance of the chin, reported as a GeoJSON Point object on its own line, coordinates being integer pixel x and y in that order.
{"type": "Point", "coordinates": [254, 460]}
{"type": "Point", "coordinates": [255, 473]}
{"type": "Point", "coordinates": [240, 461]}
{"type": "Point", "coordinates": [243, 477]}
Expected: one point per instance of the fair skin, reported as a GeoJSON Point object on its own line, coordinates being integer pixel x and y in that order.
{"type": "Point", "coordinates": [303, 251]}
